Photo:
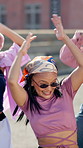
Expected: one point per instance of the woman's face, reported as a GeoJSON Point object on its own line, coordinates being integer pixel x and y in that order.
{"type": "Point", "coordinates": [44, 78]}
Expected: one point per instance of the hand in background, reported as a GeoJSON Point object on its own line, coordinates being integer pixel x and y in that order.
{"type": "Point", "coordinates": [59, 31]}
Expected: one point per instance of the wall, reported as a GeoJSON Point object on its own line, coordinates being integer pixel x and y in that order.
{"type": "Point", "coordinates": [72, 14]}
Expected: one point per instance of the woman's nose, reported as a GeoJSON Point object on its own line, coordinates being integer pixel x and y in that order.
{"type": "Point", "coordinates": [49, 88]}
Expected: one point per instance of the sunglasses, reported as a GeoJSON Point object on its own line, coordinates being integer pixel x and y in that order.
{"type": "Point", "coordinates": [54, 84]}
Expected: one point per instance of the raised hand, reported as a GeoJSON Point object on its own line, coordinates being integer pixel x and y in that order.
{"type": "Point", "coordinates": [26, 44]}
{"type": "Point", "coordinates": [59, 31]}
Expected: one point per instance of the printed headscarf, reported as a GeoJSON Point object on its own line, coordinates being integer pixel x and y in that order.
{"type": "Point", "coordinates": [40, 64]}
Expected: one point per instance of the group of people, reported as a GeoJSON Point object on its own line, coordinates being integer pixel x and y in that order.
{"type": "Point", "coordinates": [46, 102]}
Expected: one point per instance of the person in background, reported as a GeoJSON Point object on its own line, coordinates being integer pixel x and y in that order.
{"type": "Point", "coordinates": [68, 59]}
{"type": "Point", "coordinates": [79, 120]}
{"type": "Point", "coordinates": [47, 103]}
{"type": "Point", "coordinates": [6, 59]}
{"type": "Point", "coordinates": [66, 55]}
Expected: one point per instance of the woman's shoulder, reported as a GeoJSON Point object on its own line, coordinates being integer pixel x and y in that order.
{"type": "Point", "coordinates": [66, 86]}
{"type": "Point", "coordinates": [66, 81]}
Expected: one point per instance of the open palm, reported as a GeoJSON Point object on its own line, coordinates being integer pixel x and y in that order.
{"type": "Point", "coordinates": [26, 44]}
{"type": "Point", "coordinates": [59, 31]}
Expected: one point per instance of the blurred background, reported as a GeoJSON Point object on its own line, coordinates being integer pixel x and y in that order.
{"type": "Point", "coordinates": [34, 16]}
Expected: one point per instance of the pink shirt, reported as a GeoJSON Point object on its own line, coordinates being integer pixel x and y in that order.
{"type": "Point", "coordinates": [67, 57]}
{"type": "Point", "coordinates": [6, 60]}
{"type": "Point", "coordinates": [57, 114]}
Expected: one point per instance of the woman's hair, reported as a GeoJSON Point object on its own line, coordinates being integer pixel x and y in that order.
{"type": "Point", "coordinates": [34, 105]}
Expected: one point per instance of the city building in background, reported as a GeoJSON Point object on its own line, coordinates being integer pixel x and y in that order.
{"type": "Point", "coordinates": [36, 14]}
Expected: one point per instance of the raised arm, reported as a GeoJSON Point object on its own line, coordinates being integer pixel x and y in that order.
{"type": "Point", "coordinates": [18, 93]}
{"type": "Point", "coordinates": [77, 75]}
{"type": "Point", "coordinates": [11, 34]}
{"type": "Point", "coordinates": [66, 55]}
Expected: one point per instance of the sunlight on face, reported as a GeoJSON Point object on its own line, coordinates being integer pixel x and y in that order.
{"type": "Point", "coordinates": [44, 78]}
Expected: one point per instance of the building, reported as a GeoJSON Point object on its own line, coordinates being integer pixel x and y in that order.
{"type": "Point", "coordinates": [72, 14]}
{"type": "Point", "coordinates": [30, 14]}
{"type": "Point", "coordinates": [36, 14]}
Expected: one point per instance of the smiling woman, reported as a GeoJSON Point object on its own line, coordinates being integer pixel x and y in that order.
{"type": "Point", "coordinates": [42, 86]}
{"type": "Point", "coordinates": [48, 105]}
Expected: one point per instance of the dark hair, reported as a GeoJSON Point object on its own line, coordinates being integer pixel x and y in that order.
{"type": "Point", "coordinates": [34, 105]}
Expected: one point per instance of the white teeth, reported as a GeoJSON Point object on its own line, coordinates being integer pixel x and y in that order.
{"type": "Point", "coordinates": [47, 93]}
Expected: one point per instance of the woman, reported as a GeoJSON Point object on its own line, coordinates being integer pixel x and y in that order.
{"type": "Point", "coordinates": [6, 59]}
{"type": "Point", "coordinates": [47, 104]}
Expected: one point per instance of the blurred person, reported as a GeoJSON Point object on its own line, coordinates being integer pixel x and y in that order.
{"type": "Point", "coordinates": [79, 120]}
{"type": "Point", "coordinates": [47, 103]}
{"type": "Point", "coordinates": [66, 55]}
{"type": "Point", "coordinates": [6, 59]}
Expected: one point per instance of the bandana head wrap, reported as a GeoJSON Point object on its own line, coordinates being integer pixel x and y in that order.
{"type": "Point", "coordinates": [40, 64]}
{"type": "Point", "coordinates": [1, 41]}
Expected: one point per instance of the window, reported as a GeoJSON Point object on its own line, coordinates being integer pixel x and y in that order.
{"type": "Point", "coordinates": [55, 6]}
{"type": "Point", "coordinates": [2, 14]}
{"type": "Point", "coordinates": [55, 9]}
{"type": "Point", "coordinates": [33, 16]}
